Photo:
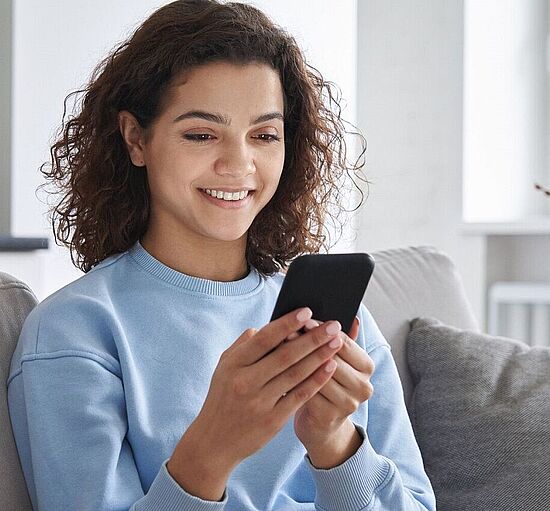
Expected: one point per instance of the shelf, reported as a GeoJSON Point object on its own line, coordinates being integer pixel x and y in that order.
{"type": "Point", "coordinates": [18, 244]}
{"type": "Point", "coordinates": [525, 226]}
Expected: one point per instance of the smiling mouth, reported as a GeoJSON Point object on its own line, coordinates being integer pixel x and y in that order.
{"type": "Point", "coordinates": [227, 196]}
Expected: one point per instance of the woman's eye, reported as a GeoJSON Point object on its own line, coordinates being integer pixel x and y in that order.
{"type": "Point", "coordinates": [198, 137]}
{"type": "Point", "coordinates": [270, 137]}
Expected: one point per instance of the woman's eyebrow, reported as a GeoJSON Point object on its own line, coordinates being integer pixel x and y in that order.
{"type": "Point", "coordinates": [223, 119]}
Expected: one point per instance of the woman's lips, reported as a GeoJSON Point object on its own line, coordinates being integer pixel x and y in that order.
{"type": "Point", "coordinates": [228, 204]}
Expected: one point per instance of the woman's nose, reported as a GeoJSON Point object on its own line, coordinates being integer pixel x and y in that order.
{"type": "Point", "coordinates": [236, 160]}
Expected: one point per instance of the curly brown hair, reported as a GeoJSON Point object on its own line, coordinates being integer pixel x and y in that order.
{"type": "Point", "coordinates": [105, 201]}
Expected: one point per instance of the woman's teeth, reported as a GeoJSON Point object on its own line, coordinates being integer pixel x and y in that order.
{"type": "Point", "coordinates": [227, 195]}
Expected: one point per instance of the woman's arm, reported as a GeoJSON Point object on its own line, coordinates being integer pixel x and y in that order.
{"type": "Point", "coordinates": [69, 421]}
{"type": "Point", "coordinates": [69, 413]}
{"type": "Point", "coordinates": [386, 472]}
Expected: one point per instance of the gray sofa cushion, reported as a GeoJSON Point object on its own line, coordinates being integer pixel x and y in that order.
{"type": "Point", "coordinates": [16, 301]}
{"type": "Point", "coordinates": [411, 282]}
{"type": "Point", "coordinates": [481, 413]}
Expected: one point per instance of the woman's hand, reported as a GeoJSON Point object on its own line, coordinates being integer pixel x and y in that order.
{"type": "Point", "coordinates": [259, 382]}
{"type": "Point", "coordinates": [322, 424]}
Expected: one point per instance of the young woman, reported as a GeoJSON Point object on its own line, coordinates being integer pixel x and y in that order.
{"type": "Point", "coordinates": [203, 159]}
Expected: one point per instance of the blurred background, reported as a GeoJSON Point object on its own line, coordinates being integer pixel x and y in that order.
{"type": "Point", "coordinates": [452, 97]}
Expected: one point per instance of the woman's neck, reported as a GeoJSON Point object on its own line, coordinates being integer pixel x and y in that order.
{"type": "Point", "coordinates": [211, 259]}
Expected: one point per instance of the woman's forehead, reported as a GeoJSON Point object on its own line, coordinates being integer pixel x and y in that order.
{"type": "Point", "coordinates": [256, 87]}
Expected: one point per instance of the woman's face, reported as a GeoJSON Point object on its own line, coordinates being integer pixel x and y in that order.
{"type": "Point", "coordinates": [221, 131]}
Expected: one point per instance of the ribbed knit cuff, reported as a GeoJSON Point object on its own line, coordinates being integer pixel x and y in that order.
{"type": "Point", "coordinates": [165, 494]}
{"type": "Point", "coordinates": [352, 484]}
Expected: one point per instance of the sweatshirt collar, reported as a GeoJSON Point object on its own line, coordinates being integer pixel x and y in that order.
{"type": "Point", "coordinates": [194, 284]}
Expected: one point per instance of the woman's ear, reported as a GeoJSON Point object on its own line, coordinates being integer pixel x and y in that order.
{"type": "Point", "coordinates": [132, 134]}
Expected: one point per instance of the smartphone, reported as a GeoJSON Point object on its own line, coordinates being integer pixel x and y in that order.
{"type": "Point", "coordinates": [331, 285]}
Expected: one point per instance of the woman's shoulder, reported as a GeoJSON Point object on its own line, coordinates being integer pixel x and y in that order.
{"type": "Point", "coordinates": [77, 317]}
{"type": "Point", "coordinates": [370, 333]}
{"type": "Point", "coordinates": [276, 279]}
{"type": "Point", "coordinates": [88, 288]}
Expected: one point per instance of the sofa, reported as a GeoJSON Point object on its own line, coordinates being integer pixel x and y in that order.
{"type": "Point", "coordinates": [418, 301]}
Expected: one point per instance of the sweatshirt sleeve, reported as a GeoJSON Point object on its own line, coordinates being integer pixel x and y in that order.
{"type": "Point", "coordinates": [69, 421]}
{"type": "Point", "coordinates": [387, 472]}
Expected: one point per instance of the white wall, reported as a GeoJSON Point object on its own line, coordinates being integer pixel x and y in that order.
{"type": "Point", "coordinates": [505, 97]}
{"type": "Point", "coordinates": [410, 108]}
{"type": "Point", "coordinates": [57, 44]}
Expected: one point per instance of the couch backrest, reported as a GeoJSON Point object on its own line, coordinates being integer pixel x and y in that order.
{"type": "Point", "coordinates": [16, 301]}
{"type": "Point", "coordinates": [412, 282]}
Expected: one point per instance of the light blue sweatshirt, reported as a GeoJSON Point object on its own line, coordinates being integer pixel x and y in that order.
{"type": "Point", "coordinates": [111, 369]}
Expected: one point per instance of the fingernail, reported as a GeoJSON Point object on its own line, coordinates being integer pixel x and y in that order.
{"type": "Point", "coordinates": [335, 343]}
{"type": "Point", "coordinates": [311, 324]}
{"type": "Point", "coordinates": [330, 366]}
{"type": "Point", "coordinates": [333, 328]}
{"type": "Point", "coordinates": [304, 314]}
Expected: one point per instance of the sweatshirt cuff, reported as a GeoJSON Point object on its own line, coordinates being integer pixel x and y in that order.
{"type": "Point", "coordinates": [352, 484]}
{"type": "Point", "coordinates": [165, 494]}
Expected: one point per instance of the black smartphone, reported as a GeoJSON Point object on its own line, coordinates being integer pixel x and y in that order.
{"type": "Point", "coordinates": [331, 285]}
